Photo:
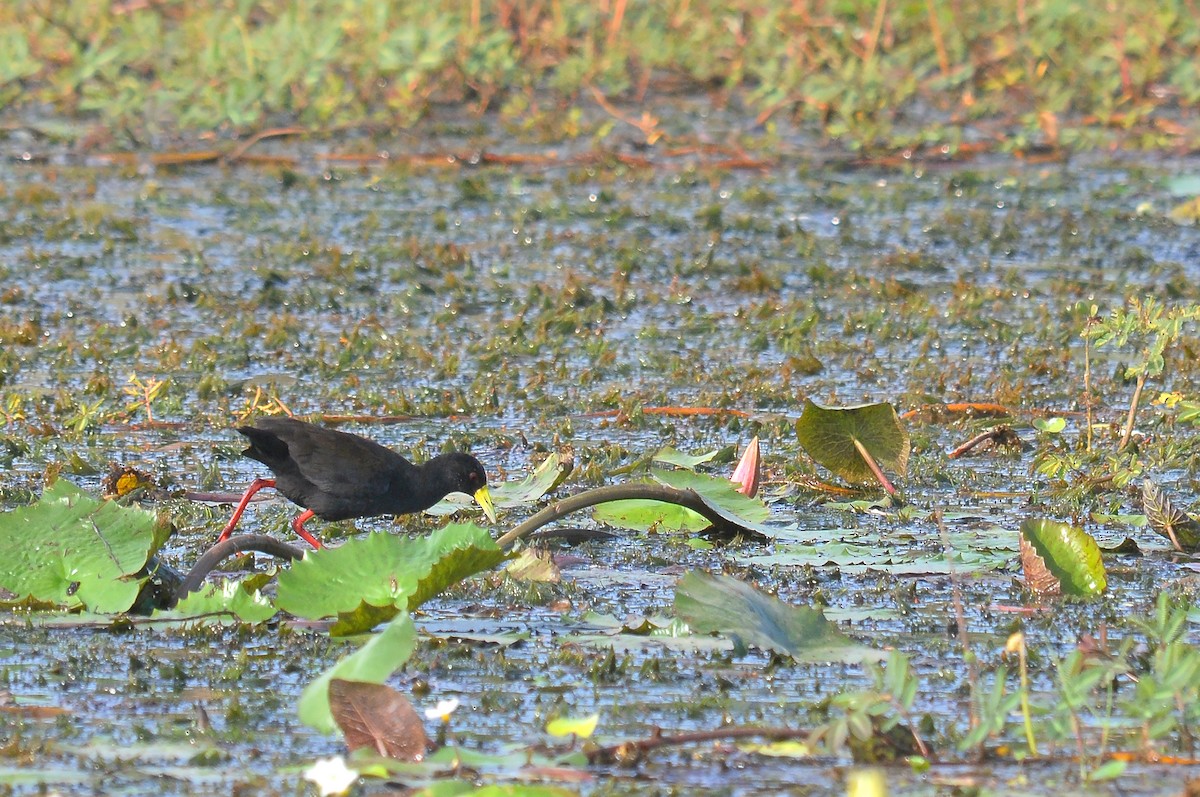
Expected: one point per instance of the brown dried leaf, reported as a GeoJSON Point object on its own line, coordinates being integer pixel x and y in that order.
{"type": "Point", "coordinates": [533, 564]}
{"type": "Point", "coordinates": [378, 717]}
{"type": "Point", "coordinates": [1037, 576]}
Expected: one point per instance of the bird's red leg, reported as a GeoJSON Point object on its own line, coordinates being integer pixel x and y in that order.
{"type": "Point", "coordinates": [254, 487]}
{"type": "Point", "coordinates": [298, 527]}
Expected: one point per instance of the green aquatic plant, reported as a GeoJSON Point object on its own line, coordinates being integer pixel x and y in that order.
{"type": "Point", "coordinates": [1061, 559]}
{"type": "Point", "coordinates": [1152, 326]}
{"type": "Point", "coordinates": [853, 441]}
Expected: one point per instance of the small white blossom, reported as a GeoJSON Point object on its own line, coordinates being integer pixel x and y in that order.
{"type": "Point", "coordinates": [331, 775]}
{"type": "Point", "coordinates": [442, 710]}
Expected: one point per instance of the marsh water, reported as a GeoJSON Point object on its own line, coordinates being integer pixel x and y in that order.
{"type": "Point", "coordinates": [514, 309]}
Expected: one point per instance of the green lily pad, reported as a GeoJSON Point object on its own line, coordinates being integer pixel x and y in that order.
{"type": "Point", "coordinates": [1050, 425]}
{"type": "Point", "coordinates": [1058, 557]}
{"type": "Point", "coordinates": [228, 600]}
{"type": "Point", "coordinates": [381, 656]}
{"type": "Point", "coordinates": [509, 764]}
{"type": "Point", "coordinates": [544, 478]}
{"type": "Point", "coordinates": [583, 727]}
{"type": "Point", "coordinates": [462, 789]}
{"type": "Point", "coordinates": [369, 580]}
{"type": "Point", "coordinates": [72, 550]}
{"type": "Point", "coordinates": [641, 515]}
{"type": "Point", "coordinates": [1184, 185]}
{"type": "Point", "coordinates": [670, 456]}
{"type": "Point", "coordinates": [29, 776]}
{"type": "Point", "coordinates": [720, 494]}
{"type": "Point", "coordinates": [733, 608]}
{"type": "Point", "coordinates": [829, 434]}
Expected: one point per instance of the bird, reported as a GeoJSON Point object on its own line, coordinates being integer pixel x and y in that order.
{"type": "Point", "coordinates": [337, 476]}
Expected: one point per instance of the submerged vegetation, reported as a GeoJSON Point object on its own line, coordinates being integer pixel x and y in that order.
{"type": "Point", "coordinates": [804, 462]}
{"type": "Point", "coordinates": [625, 314]}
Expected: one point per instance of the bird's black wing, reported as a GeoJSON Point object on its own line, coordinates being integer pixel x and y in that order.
{"type": "Point", "coordinates": [337, 474]}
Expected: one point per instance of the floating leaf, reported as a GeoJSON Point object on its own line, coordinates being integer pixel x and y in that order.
{"type": "Point", "coordinates": [832, 437]}
{"type": "Point", "coordinates": [533, 564]}
{"type": "Point", "coordinates": [381, 656]}
{"type": "Point", "coordinates": [582, 727]}
{"type": "Point", "coordinates": [368, 580]}
{"type": "Point", "coordinates": [377, 717]}
{"type": "Point", "coordinates": [643, 514]}
{"type": "Point", "coordinates": [1184, 185]}
{"type": "Point", "coordinates": [719, 494]}
{"type": "Point", "coordinates": [544, 478]}
{"type": "Point", "coordinates": [1050, 425]}
{"type": "Point", "coordinates": [72, 550]}
{"type": "Point", "coordinates": [459, 789]}
{"type": "Point", "coordinates": [227, 600]}
{"type": "Point", "coordinates": [670, 456]}
{"type": "Point", "coordinates": [1170, 522]}
{"type": "Point", "coordinates": [1061, 558]}
{"type": "Point", "coordinates": [788, 748]}
{"type": "Point", "coordinates": [42, 776]}
{"type": "Point", "coordinates": [735, 609]}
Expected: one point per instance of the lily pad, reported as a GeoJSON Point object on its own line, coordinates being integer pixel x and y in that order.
{"type": "Point", "coordinates": [381, 656]}
{"type": "Point", "coordinates": [544, 478]}
{"type": "Point", "coordinates": [1050, 425]}
{"type": "Point", "coordinates": [377, 717]}
{"type": "Point", "coordinates": [720, 494]}
{"type": "Point", "coordinates": [830, 434]}
{"type": "Point", "coordinates": [670, 456]}
{"type": "Point", "coordinates": [72, 550]}
{"type": "Point", "coordinates": [1061, 558]}
{"type": "Point", "coordinates": [1184, 185]}
{"type": "Point", "coordinates": [733, 608]}
{"type": "Point", "coordinates": [582, 727]}
{"type": "Point", "coordinates": [369, 580]}
{"type": "Point", "coordinates": [229, 600]}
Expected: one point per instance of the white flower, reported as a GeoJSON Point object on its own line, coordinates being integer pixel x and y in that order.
{"type": "Point", "coordinates": [442, 710]}
{"type": "Point", "coordinates": [331, 775]}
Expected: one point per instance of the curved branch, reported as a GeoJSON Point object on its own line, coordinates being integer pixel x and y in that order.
{"type": "Point", "coordinates": [689, 499]}
{"type": "Point", "coordinates": [235, 545]}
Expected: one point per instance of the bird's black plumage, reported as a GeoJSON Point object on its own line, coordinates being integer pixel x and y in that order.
{"type": "Point", "coordinates": [339, 475]}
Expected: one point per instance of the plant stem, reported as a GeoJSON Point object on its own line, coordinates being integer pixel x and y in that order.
{"type": "Point", "coordinates": [1087, 386]}
{"type": "Point", "coordinates": [688, 499]}
{"type": "Point", "coordinates": [1133, 405]}
{"type": "Point", "coordinates": [874, 466]}
{"type": "Point", "coordinates": [1025, 713]}
{"type": "Point", "coordinates": [235, 545]}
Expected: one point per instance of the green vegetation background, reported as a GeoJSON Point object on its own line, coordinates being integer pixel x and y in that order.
{"type": "Point", "coordinates": [867, 73]}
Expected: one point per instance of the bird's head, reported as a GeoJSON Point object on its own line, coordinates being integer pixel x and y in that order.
{"type": "Point", "coordinates": [468, 476]}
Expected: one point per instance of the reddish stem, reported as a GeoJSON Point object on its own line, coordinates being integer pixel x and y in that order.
{"type": "Point", "coordinates": [870, 460]}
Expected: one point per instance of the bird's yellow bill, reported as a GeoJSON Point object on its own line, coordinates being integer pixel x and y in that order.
{"type": "Point", "coordinates": [484, 499]}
